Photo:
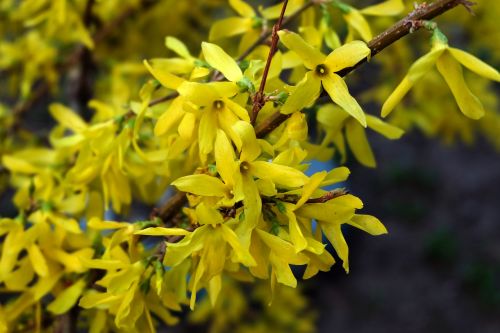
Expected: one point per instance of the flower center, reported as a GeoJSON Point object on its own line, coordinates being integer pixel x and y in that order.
{"type": "Point", "coordinates": [244, 167]}
{"type": "Point", "coordinates": [218, 105]}
{"type": "Point", "coordinates": [321, 70]}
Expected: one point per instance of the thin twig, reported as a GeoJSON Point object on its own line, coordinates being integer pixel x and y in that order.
{"type": "Point", "coordinates": [258, 99]}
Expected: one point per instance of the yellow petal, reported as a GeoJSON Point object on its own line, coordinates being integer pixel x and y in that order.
{"type": "Point", "coordinates": [396, 96]}
{"type": "Point", "coordinates": [221, 61]}
{"type": "Point", "coordinates": [178, 47]}
{"type": "Point", "coordinates": [475, 64]}
{"type": "Point", "coordinates": [279, 174]}
{"type": "Point", "coordinates": [250, 148]}
{"type": "Point", "coordinates": [18, 165]}
{"type": "Point", "coordinates": [198, 93]}
{"type": "Point", "coordinates": [368, 223]}
{"type": "Point", "coordinates": [159, 231]}
{"type": "Point", "coordinates": [170, 117]}
{"type": "Point", "coordinates": [359, 23]}
{"type": "Point", "coordinates": [358, 142]}
{"type": "Point", "coordinates": [311, 186]}
{"type": "Point", "coordinates": [67, 298]}
{"type": "Point", "coordinates": [224, 158]}
{"type": "Point", "coordinates": [167, 79]}
{"type": "Point", "coordinates": [207, 214]}
{"type": "Point", "coordinates": [67, 118]}
{"type": "Point", "coordinates": [303, 95]}
{"type": "Point", "coordinates": [242, 254]}
{"type": "Point", "coordinates": [38, 260]}
{"type": "Point", "coordinates": [451, 70]}
{"type": "Point", "coordinates": [228, 27]}
{"type": "Point", "coordinates": [187, 126]}
{"type": "Point", "coordinates": [204, 185]}
{"type": "Point", "coordinates": [296, 235]}
{"type": "Point", "coordinates": [242, 8]}
{"type": "Point", "coordinates": [282, 270]}
{"type": "Point", "coordinates": [214, 287]}
{"type": "Point", "coordinates": [386, 8]}
{"type": "Point", "coordinates": [282, 248]}
{"type": "Point", "coordinates": [252, 204]}
{"type": "Point", "coordinates": [339, 93]}
{"type": "Point", "coordinates": [329, 212]}
{"type": "Point", "coordinates": [347, 55]}
{"type": "Point", "coordinates": [207, 132]}
{"type": "Point", "coordinates": [334, 235]}
{"type": "Point", "coordinates": [336, 175]}
{"type": "Point", "coordinates": [389, 131]}
{"type": "Point", "coordinates": [310, 56]}
{"type": "Point", "coordinates": [273, 12]}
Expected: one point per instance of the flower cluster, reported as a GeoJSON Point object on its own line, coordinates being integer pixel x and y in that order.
{"type": "Point", "coordinates": [247, 206]}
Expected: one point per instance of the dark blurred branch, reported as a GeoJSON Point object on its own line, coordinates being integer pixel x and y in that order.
{"type": "Point", "coordinates": [402, 28]}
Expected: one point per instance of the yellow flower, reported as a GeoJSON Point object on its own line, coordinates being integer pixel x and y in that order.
{"type": "Point", "coordinates": [334, 120]}
{"type": "Point", "coordinates": [321, 72]}
{"type": "Point", "coordinates": [356, 21]}
{"type": "Point", "coordinates": [218, 110]}
{"type": "Point", "coordinates": [447, 60]}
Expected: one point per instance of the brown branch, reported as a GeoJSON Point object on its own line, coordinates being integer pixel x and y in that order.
{"type": "Point", "coordinates": [258, 99]}
{"type": "Point", "coordinates": [377, 44]}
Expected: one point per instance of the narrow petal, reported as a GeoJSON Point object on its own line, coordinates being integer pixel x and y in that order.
{"type": "Point", "coordinates": [310, 56]}
{"type": "Point", "coordinates": [334, 235]}
{"type": "Point", "coordinates": [304, 95]}
{"type": "Point", "coordinates": [207, 132]}
{"type": "Point", "coordinates": [389, 131]}
{"type": "Point", "coordinates": [224, 158]}
{"type": "Point", "coordinates": [451, 71]}
{"type": "Point", "coordinates": [359, 23]}
{"type": "Point", "coordinates": [386, 8]}
{"type": "Point", "coordinates": [328, 212]}
{"type": "Point", "coordinates": [178, 47]}
{"type": "Point", "coordinates": [252, 203]}
{"type": "Point", "coordinates": [311, 186]}
{"type": "Point", "coordinates": [170, 117]}
{"type": "Point", "coordinates": [67, 118]}
{"type": "Point", "coordinates": [220, 60]}
{"type": "Point", "coordinates": [250, 148]}
{"type": "Point", "coordinates": [38, 260]}
{"type": "Point", "coordinates": [242, 254]}
{"type": "Point", "coordinates": [242, 8]}
{"type": "Point", "coordinates": [279, 174]}
{"type": "Point", "coordinates": [347, 55]}
{"type": "Point", "coordinates": [396, 96]}
{"type": "Point", "coordinates": [198, 93]}
{"type": "Point", "coordinates": [339, 93]}
{"type": "Point", "coordinates": [424, 64]}
{"type": "Point", "coordinates": [207, 214]}
{"type": "Point", "coordinates": [167, 79]}
{"type": "Point", "coordinates": [360, 147]}
{"type": "Point", "coordinates": [475, 64]}
{"type": "Point", "coordinates": [368, 223]}
{"type": "Point", "coordinates": [228, 27]}
{"type": "Point", "coordinates": [159, 231]}
{"type": "Point", "coordinates": [187, 126]}
{"type": "Point", "coordinates": [296, 235]}
{"type": "Point", "coordinates": [67, 298]}
{"type": "Point", "coordinates": [237, 109]}
{"type": "Point", "coordinates": [203, 185]}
